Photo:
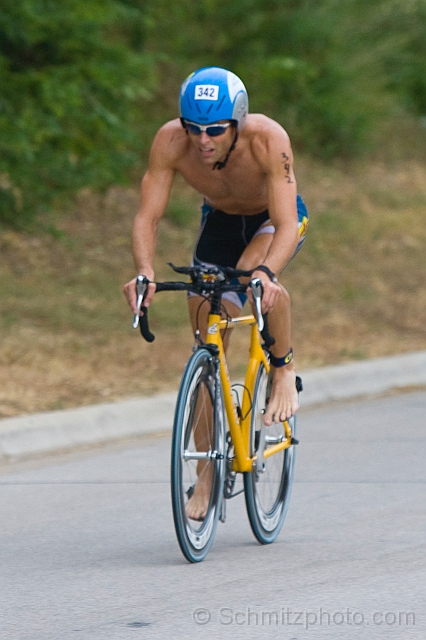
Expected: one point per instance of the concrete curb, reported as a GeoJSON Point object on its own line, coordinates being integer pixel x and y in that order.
{"type": "Point", "coordinates": [57, 430]}
{"type": "Point", "coordinates": [367, 377]}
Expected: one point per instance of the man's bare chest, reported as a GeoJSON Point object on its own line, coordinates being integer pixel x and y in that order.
{"type": "Point", "coordinates": [233, 186]}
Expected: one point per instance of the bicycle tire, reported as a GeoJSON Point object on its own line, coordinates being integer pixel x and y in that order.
{"type": "Point", "coordinates": [199, 399]}
{"type": "Point", "coordinates": [267, 492]}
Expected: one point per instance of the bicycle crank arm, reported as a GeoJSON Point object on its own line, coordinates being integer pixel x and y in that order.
{"type": "Point", "coordinates": [270, 440]}
{"type": "Point", "coordinates": [259, 463]}
{"type": "Point", "coordinates": [202, 455]}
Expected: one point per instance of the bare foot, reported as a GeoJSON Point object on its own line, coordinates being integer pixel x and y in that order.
{"type": "Point", "coordinates": [197, 506]}
{"type": "Point", "coordinates": [284, 401]}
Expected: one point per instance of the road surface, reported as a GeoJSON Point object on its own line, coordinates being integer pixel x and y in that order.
{"type": "Point", "coordinates": [88, 551]}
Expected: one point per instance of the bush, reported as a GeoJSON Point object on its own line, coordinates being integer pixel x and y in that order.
{"type": "Point", "coordinates": [84, 85]}
{"type": "Point", "coordinates": [70, 83]}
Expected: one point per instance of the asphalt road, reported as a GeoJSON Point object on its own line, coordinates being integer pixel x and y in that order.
{"type": "Point", "coordinates": [88, 551]}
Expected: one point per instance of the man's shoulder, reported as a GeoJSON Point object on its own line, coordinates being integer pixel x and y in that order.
{"type": "Point", "coordinates": [171, 127]}
{"type": "Point", "coordinates": [257, 124]}
{"type": "Point", "coordinates": [170, 141]}
{"type": "Point", "coordinates": [266, 138]}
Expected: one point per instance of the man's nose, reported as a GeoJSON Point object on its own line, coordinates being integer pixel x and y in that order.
{"type": "Point", "coordinates": [204, 138]}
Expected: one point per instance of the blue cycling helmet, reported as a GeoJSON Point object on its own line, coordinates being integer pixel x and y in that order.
{"type": "Point", "coordinates": [211, 94]}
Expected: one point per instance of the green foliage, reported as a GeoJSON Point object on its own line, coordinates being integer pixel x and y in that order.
{"type": "Point", "coordinates": [330, 71]}
{"type": "Point", "coordinates": [84, 85]}
{"type": "Point", "coordinates": [405, 56]}
{"type": "Point", "coordinates": [69, 85]}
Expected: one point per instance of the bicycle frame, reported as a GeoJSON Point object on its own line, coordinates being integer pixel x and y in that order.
{"type": "Point", "coordinates": [240, 428]}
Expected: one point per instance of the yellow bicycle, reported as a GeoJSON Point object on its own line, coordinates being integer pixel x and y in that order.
{"type": "Point", "coordinates": [218, 434]}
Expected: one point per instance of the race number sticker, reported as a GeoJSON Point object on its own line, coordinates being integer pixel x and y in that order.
{"type": "Point", "coordinates": [206, 92]}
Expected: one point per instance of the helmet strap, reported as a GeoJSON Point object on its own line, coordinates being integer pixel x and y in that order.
{"type": "Point", "coordinates": [222, 164]}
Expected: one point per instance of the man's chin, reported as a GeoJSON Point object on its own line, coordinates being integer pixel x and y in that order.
{"type": "Point", "coordinates": [208, 160]}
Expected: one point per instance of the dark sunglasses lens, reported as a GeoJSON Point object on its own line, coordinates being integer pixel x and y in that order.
{"type": "Point", "coordinates": [193, 128]}
{"type": "Point", "coordinates": [215, 131]}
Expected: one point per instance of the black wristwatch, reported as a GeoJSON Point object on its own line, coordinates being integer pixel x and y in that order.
{"type": "Point", "coordinates": [269, 273]}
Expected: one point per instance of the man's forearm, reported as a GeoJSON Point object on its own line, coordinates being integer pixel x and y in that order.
{"type": "Point", "coordinates": [281, 250]}
{"type": "Point", "coordinates": [144, 242]}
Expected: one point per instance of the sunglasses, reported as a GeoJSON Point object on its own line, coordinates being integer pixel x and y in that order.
{"type": "Point", "coordinates": [212, 130]}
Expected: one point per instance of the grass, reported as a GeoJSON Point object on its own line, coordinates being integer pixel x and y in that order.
{"type": "Point", "coordinates": [357, 288]}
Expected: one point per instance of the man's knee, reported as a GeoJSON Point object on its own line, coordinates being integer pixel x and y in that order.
{"type": "Point", "coordinates": [283, 302]}
{"type": "Point", "coordinates": [245, 263]}
{"type": "Point", "coordinates": [285, 295]}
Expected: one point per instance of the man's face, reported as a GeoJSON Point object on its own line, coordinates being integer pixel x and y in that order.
{"type": "Point", "coordinates": [210, 148]}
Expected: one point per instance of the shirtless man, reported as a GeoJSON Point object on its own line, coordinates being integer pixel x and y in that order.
{"type": "Point", "coordinates": [252, 216]}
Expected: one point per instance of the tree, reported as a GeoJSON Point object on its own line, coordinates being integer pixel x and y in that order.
{"type": "Point", "coordinates": [78, 80]}
{"type": "Point", "coordinates": [70, 84]}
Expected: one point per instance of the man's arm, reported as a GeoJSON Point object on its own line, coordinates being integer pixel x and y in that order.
{"type": "Point", "coordinates": [156, 186]}
{"type": "Point", "coordinates": [277, 162]}
{"type": "Point", "coordinates": [275, 156]}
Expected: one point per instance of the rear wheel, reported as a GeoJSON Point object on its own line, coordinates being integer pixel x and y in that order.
{"type": "Point", "coordinates": [198, 453]}
{"type": "Point", "coordinates": [268, 489]}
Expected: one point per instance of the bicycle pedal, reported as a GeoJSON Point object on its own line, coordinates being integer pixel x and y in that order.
{"type": "Point", "coordinates": [190, 492]}
{"type": "Point", "coordinates": [294, 441]}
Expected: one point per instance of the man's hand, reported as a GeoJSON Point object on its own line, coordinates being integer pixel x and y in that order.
{"type": "Point", "coordinates": [271, 291]}
{"type": "Point", "coordinates": [129, 291]}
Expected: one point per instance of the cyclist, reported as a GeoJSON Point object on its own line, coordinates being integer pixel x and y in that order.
{"type": "Point", "coordinates": [252, 216]}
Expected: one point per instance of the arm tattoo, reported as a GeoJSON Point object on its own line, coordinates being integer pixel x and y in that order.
{"type": "Point", "coordinates": [287, 167]}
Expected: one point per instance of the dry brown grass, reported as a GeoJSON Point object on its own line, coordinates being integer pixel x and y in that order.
{"type": "Point", "coordinates": [357, 286]}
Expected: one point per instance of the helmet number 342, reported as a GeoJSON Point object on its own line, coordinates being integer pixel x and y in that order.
{"type": "Point", "coordinates": [206, 92]}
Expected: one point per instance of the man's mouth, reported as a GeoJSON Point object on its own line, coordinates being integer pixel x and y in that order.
{"type": "Point", "coordinates": [206, 152]}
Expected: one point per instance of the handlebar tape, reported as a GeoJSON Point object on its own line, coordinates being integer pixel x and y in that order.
{"type": "Point", "coordinates": [144, 326]}
{"type": "Point", "coordinates": [269, 340]}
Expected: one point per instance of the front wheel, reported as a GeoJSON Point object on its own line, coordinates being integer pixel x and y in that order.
{"type": "Point", "coordinates": [267, 489]}
{"type": "Point", "coordinates": [198, 453]}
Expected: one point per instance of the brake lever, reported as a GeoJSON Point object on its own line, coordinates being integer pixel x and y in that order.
{"type": "Point", "coordinates": [257, 291]}
{"type": "Point", "coordinates": [142, 283]}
